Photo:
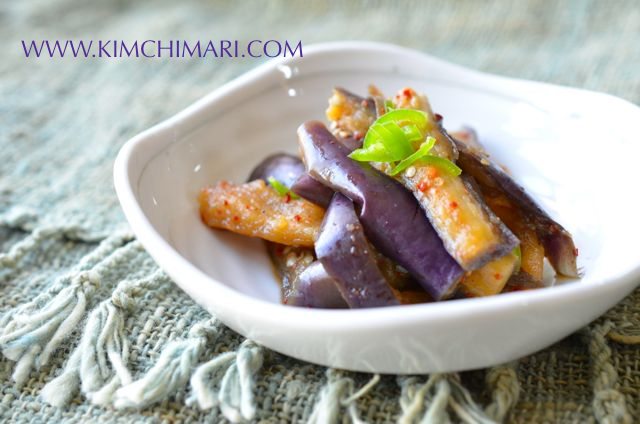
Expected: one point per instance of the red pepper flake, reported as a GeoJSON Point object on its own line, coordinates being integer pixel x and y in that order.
{"type": "Point", "coordinates": [438, 117]}
{"type": "Point", "coordinates": [226, 203]}
{"type": "Point", "coordinates": [279, 250]}
{"type": "Point", "coordinates": [363, 103]}
{"type": "Point", "coordinates": [247, 207]}
{"type": "Point", "coordinates": [453, 204]}
{"type": "Point", "coordinates": [287, 198]}
{"type": "Point", "coordinates": [575, 252]}
{"type": "Point", "coordinates": [423, 186]}
{"type": "Point", "coordinates": [497, 276]}
{"type": "Point", "coordinates": [236, 218]}
{"type": "Point", "coordinates": [357, 135]}
{"type": "Point", "coordinates": [298, 218]}
{"type": "Point", "coordinates": [407, 92]}
{"type": "Point", "coordinates": [432, 172]}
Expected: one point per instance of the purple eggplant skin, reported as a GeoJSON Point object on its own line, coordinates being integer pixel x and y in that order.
{"type": "Point", "coordinates": [558, 244]}
{"type": "Point", "coordinates": [289, 170]}
{"type": "Point", "coordinates": [392, 218]}
{"type": "Point", "coordinates": [310, 189]}
{"type": "Point", "coordinates": [351, 142]}
{"type": "Point", "coordinates": [283, 167]}
{"type": "Point", "coordinates": [346, 255]}
{"type": "Point", "coordinates": [303, 280]}
{"type": "Point", "coordinates": [315, 288]}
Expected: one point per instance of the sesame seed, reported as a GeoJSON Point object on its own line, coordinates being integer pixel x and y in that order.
{"type": "Point", "coordinates": [410, 172]}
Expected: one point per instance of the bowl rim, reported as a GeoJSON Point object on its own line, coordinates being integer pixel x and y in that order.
{"type": "Point", "coordinates": [127, 173]}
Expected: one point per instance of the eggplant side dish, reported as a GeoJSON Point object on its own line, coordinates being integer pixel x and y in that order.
{"type": "Point", "coordinates": [385, 207]}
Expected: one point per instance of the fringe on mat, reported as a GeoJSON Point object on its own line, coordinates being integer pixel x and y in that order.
{"type": "Point", "coordinates": [98, 366]}
{"type": "Point", "coordinates": [337, 394]}
{"type": "Point", "coordinates": [609, 404]}
{"type": "Point", "coordinates": [434, 400]}
{"type": "Point", "coordinates": [177, 365]}
{"type": "Point", "coordinates": [30, 333]}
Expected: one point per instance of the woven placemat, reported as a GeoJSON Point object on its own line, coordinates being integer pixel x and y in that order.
{"type": "Point", "coordinates": [91, 330]}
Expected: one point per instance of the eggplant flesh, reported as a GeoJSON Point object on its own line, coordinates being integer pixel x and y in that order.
{"type": "Point", "coordinates": [392, 219]}
{"type": "Point", "coordinates": [470, 231]}
{"type": "Point", "coordinates": [491, 278]}
{"type": "Point", "coordinates": [347, 257]}
{"type": "Point", "coordinates": [558, 244]}
{"type": "Point", "coordinates": [352, 114]}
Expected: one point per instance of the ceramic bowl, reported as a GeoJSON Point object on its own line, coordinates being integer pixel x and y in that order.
{"type": "Point", "coordinates": [573, 150]}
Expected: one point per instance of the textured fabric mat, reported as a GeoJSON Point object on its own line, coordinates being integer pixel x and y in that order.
{"type": "Point", "coordinates": [65, 248]}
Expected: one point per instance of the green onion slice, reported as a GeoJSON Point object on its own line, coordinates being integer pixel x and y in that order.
{"type": "Point", "coordinates": [388, 106]}
{"type": "Point", "coordinates": [282, 189]}
{"type": "Point", "coordinates": [444, 164]}
{"type": "Point", "coordinates": [518, 252]}
{"type": "Point", "coordinates": [420, 153]}
{"type": "Point", "coordinates": [412, 133]}
{"type": "Point", "coordinates": [392, 139]}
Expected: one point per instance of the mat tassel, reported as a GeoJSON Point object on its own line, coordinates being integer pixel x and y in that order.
{"type": "Point", "coordinates": [339, 393]}
{"type": "Point", "coordinates": [103, 349]}
{"type": "Point", "coordinates": [432, 401]}
{"type": "Point", "coordinates": [503, 380]}
{"type": "Point", "coordinates": [171, 372]}
{"type": "Point", "coordinates": [31, 333]}
{"type": "Point", "coordinates": [235, 395]}
{"type": "Point", "coordinates": [609, 405]}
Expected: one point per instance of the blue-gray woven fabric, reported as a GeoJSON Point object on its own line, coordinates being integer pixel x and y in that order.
{"type": "Point", "coordinates": [62, 122]}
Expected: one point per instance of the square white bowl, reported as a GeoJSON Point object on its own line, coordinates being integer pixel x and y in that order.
{"type": "Point", "coordinates": [575, 151]}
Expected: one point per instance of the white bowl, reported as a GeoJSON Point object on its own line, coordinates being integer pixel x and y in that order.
{"type": "Point", "coordinates": [575, 151]}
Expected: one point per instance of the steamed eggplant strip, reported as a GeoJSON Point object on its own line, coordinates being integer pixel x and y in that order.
{"type": "Point", "coordinates": [389, 214]}
{"type": "Point", "coordinates": [352, 115]}
{"type": "Point", "coordinates": [285, 168]}
{"type": "Point", "coordinates": [491, 278]}
{"type": "Point", "coordinates": [346, 255]}
{"type": "Point", "coordinates": [315, 288]}
{"type": "Point", "coordinates": [304, 281]}
{"type": "Point", "coordinates": [557, 242]}
{"type": "Point", "coordinates": [471, 233]}
{"type": "Point", "coordinates": [257, 210]}
{"type": "Point", "coordinates": [308, 188]}
{"type": "Point", "coordinates": [521, 281]}
{"type": "Point", "coordinates": [532, 251]}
